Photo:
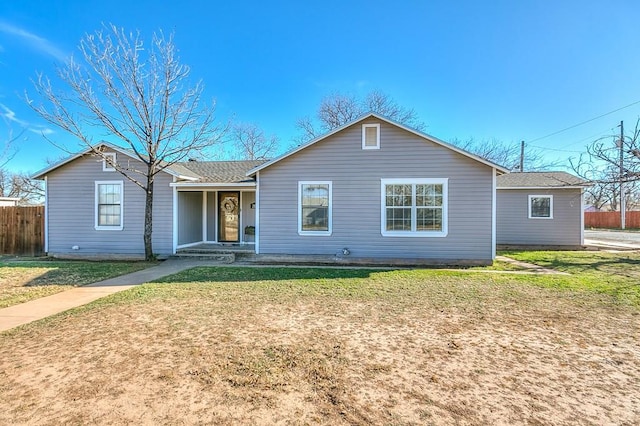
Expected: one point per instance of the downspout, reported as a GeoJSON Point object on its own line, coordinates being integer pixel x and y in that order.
{"type": "Point", "coordinates": [46, 215]}
{"type": "Point", "coordinates": [493, 214]}
{"type": "Point", "coordinates": [257, 236]}
{"type": "Point", "coordinates": [174, 244]}
{"type": "Point", "coordinates": [581, 216]}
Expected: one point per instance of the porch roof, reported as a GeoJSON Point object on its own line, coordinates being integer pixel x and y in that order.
{"type": "Point", "coordinates": [225, 172]}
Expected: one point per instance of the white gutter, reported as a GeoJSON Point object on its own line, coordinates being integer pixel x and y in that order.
{"type": "Point", "coordinates": [212, 185]}
{"type": "Point", "coordinates": [541, 187]}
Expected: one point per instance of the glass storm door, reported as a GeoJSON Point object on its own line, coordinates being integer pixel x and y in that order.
{"type": "Point", "coordinates": [228, 217]}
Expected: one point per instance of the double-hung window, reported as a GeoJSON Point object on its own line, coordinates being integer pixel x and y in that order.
{"type": "Point", "coordinates": [314, 208]}
{"type": "Point", "coordinates": [414, 207]}
{"type": "Point", "coordinates": [109, 205]}
{"type": "Point", "coordinates": [540, 206]}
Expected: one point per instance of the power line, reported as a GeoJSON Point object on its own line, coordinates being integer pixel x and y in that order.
{"type": "Point", "coordinates": [584, 122]}
{"type": "Point", "coordinates": [601, 134]}
{"type": "Point", "coordinates": [553, 149]}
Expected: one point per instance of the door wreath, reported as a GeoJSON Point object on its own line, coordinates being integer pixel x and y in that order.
{"type": "Point", "coordinates": [229, 205]}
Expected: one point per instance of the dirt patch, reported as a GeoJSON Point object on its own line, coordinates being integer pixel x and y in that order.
{"type": "Point", "coordinates": [237, 353]}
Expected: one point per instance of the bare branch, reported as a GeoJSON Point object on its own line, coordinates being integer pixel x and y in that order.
{"type": "Point", "coordinates": [337, 109]}
{"type": "Point", "coordinates": [137, 93]}
{"type": "Point", "coordinates": [507, 155]}
{"type": "Point", "coordinates": [251, 143]}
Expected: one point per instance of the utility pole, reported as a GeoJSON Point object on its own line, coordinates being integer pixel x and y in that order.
{"type": "Point", "coordinates": [623, 207]}
{"type": "Point", "coordinates": [522, 156]}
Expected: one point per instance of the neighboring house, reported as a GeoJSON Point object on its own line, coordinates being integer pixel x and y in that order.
{"type": "Point", "coordinates": [372, 189]}
{"type": "Point", "coordinates": [8, 201]}
{"type": "Point", "coordinates": [540, 209]}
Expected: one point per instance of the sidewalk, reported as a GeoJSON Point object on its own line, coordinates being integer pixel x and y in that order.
{"type": "Point", "coordinates": [610, 245]}
{"type": "Point", "coordinates": [24, 313]}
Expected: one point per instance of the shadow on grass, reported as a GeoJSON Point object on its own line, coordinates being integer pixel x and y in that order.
{"type": "Point", "coordinates": [616, 274]}
{"type": "Point", "coordinates": [244, 274]}
{"type": "Point", "coordinates": [70, 273]}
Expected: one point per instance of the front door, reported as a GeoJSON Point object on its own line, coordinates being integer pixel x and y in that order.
{"type": "Point", "coordinates": [228, 217]}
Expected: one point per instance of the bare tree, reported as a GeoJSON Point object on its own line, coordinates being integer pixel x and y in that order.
{"type": "Point", "coordinates": [601, 166]}
{"type": "Point", "coordinates": [338, 109]}
{"type": "Point", "coordinates": [507, 155]}
{"type": "Point", "coordinates": [251, 143]}
{"type": "Point", "coordinates": [138, 93]}
{"type": "Point", "coordinates": [19, 185]}
{"type": "Point", "coordinates": [8, 149]}
{"type": "Point", "coordinates": [16, 185]}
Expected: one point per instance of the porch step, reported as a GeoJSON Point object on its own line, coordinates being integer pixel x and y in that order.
{"type": "Point", "coordinates": [224, 257]}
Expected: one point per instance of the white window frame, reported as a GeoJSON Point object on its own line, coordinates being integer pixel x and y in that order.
{"type": "Point", "coordinates": [364, 136]}
{"type": "Point", "coordinates": [109, 227]}
{"type": "Point", "coordinates": [413, 182]}
{"type": "Point", "coordinates": [550, 197]}
{"type": "Point", "coordinates": [330, 210]}
{"type": "Point", "coordinates": [105, 165]}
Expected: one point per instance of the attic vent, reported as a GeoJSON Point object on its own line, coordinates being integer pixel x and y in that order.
{"type": "Point", "coordinates": [371, 136]}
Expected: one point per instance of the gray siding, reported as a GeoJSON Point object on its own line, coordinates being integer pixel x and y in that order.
{"type": "Point", "coordinates": [71, 211]}
{"type": "Point", "coordinates": [515, 227]}
{"type": "Point", "coordinates": [356, 176]}
{"type": "Point", "coordinates": [189, 217]}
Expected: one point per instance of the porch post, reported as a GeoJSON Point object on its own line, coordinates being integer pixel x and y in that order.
{"type": "Point", "coordinates": [175, 218]}
{"type": "Point", "coordinates": [257, 230]}
{"type": "Point", "coordinates": [204, 216]}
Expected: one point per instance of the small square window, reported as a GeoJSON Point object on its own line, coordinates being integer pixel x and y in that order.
{"type": "Point", "coordinates": [371, 136]}
{"type": "Point", "coordinates": [108, 160]}
{"type": "Point", "coordinates": [540, 207]}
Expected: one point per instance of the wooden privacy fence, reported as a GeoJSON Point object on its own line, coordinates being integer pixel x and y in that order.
{"type": "Point", "coordinates": [611, 219]}
{"type": "Point", "coordinates": [22, 230]}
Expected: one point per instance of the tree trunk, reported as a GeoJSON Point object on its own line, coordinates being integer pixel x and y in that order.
{"type": "Point", "coordinates": [148, 218]}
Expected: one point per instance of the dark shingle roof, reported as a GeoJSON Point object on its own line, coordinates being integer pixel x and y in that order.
{"type": "Point", "coordinates": [539, 180]}
{"type": "Point", "coordinates": [220, 171]}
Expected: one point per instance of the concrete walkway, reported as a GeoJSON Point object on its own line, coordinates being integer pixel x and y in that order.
{"type": "Point", "coordinates": [24, 313]}
{"type": "Point", "coordinates": [612, 239]}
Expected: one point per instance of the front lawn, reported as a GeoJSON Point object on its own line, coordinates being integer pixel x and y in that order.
{"type": "Point", "coordinates": [234, 345]}
{"type": "Point", "coordinates": [616, 275]}
{"type": "Point", "coordinates": [21, 281]}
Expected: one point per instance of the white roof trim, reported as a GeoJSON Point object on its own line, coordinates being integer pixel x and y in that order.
{"type": "Point", "coordinates": [212, 184]}
{"type": "Point", "coordinates": [542, 187]}
{"type": "Point", "coordinates": [41, 173]}
{"type": "Point", "coordinates": [389, 121]}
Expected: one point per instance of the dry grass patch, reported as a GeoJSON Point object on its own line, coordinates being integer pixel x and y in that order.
{"type": "Point", "coordinates": [309, 346]}
{"type": "Point", "coordinates": [21, 281]}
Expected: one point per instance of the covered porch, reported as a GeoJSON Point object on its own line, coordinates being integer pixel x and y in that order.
{"type": "Point", "coordinates": [211, 217]}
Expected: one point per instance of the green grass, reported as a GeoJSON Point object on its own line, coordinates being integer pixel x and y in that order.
{"type": "Point", "coordinates": [21, 281]}
{"type": "Point", "coordinates": [614, 274]}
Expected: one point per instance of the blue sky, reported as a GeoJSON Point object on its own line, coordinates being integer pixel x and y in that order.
{"type": "Point", "coordinates": [510, 70]}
